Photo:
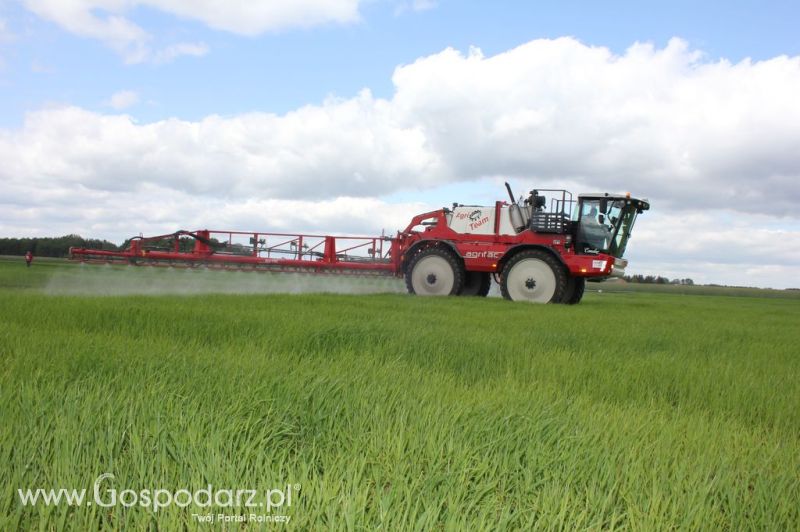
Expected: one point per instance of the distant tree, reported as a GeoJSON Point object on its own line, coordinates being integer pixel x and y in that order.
{"type": "Point", "coordinates": [51, 246]}
{"type": "Point", "coordinates": [656, 279]}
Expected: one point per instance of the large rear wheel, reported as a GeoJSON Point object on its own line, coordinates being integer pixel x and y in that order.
{"type": "Point", "coordinates": [434, 272]}
{"type": "Point", "coordinates": [476, 284]}
{"type": "Point", "coordinates": [535, 276]}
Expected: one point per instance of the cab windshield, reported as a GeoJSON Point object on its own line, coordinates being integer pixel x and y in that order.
{"type": "Point", "coordinates": [604, 225]}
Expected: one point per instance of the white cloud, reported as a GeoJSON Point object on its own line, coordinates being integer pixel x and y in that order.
{"type": "Point", "coordinates": [246, 17]}
{"type": "Point", "coordinates": [414, 5]}
{"type": "Point", "coordinates": [160, 210]}
{"type": "Point", "coordinates": [350, 147]}
{"type": "Point", "coordinates": [718, 246]}
{"type": "Point", "coordinates": [99, 20]}
{"type": "Point", "coordinates": [423, 5]}
{"type": "Point", "coordinates": [123, 99]}
{"type": "Point", "coordinates": [108, 20]}
{"type": "Point", "coordinates": [170, 53]}
{"type": "Point", "coordinates": [659, 121]}
{"type": "Point", "coordinates": [5, 34]}
{"type": "Point", "coordinates": [38, 67]}
{"type": "Point", "coordinates": [699, 138]}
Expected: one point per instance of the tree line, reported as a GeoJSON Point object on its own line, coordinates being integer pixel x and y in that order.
{"type": "Point", "coordinates": [52, 246]}
{"type": "Point", "coordinates": [657, 279]}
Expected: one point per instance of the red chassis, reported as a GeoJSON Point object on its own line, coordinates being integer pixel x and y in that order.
{"type": "Point", "coordinates": [489, 253]}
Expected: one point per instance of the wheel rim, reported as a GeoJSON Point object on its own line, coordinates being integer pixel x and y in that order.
{"type": "Point", "coordinates": [433, 276]}
{"type": "Point", "coordinates": [531, 280]}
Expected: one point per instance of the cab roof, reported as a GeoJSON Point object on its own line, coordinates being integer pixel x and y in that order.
{"type": "Point", "coordinates": [643, 204]}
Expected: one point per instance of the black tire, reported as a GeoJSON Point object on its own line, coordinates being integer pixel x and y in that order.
{"type": "Point", "coordinates": [434, 271]}
{"type": "Point", "coordinates": [476, 284]}
{"type": "Point", "coordinates": [574, 292]}
{"type": "Point", "coordinates": [534, 275]}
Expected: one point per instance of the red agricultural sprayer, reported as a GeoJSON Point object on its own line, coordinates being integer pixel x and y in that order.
{"type": "Point", "coordinates": [535, 250]}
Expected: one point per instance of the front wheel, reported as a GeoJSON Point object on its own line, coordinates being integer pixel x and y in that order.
{"type": "Point", "coordinates": [535, 276]}
{"type": "Point", "coordinates": [434, 272]}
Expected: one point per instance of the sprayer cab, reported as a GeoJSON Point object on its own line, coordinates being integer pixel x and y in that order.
{"type": "Point", "coordinates": [604, 222]}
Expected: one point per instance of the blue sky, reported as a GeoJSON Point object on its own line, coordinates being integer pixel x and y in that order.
{"type": "Point", "coordinates": [126, 116]}
{"type": "Point", "coordinates": [280, 70]}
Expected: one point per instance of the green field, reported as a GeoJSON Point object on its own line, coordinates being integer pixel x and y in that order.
{"type": "Point", "coordinates": [632, 410]}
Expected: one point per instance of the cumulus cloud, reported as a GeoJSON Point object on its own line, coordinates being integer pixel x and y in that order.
{"type": "Point", "coordinates": [109, 21]}
{"type": "Point", "coordinates": [351, 147]}
{"type": "Point", "coordinates": [663, 122]}
{"type": "Point", "coordinates": [696, 136]}
{"type": "Point", "coordinates": [123, 99]}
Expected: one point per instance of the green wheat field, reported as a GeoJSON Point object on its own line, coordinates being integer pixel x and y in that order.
{"type": "Point", "coordinates": [633, 410]}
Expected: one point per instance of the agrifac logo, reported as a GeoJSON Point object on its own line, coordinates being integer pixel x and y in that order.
{"type": "Point", "coordinates": [272, 504]}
